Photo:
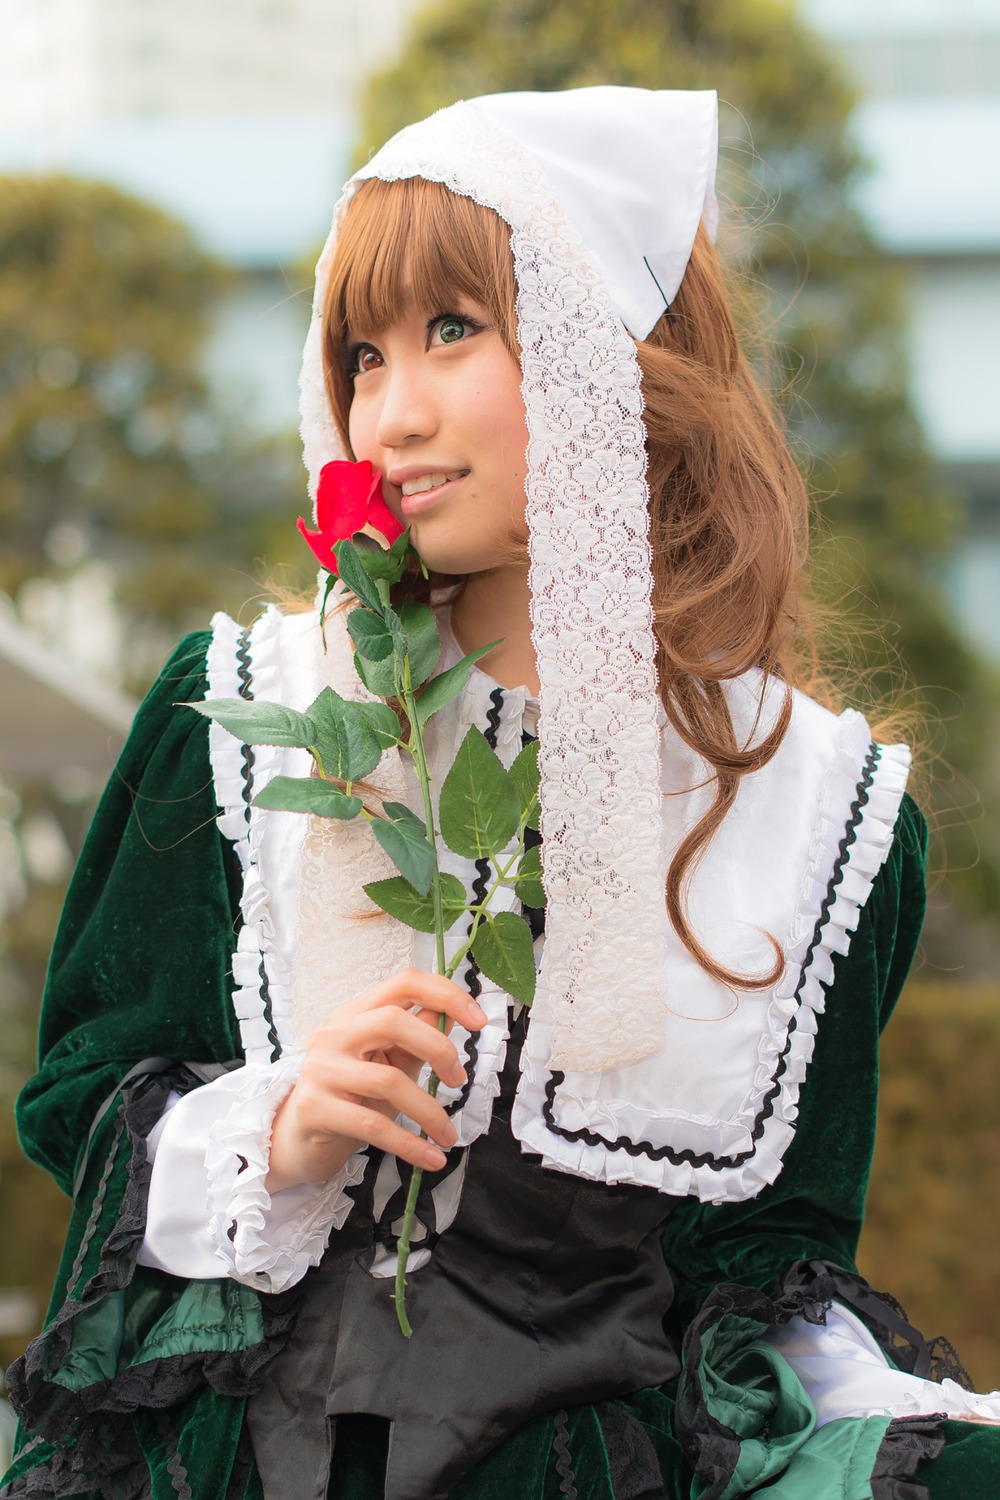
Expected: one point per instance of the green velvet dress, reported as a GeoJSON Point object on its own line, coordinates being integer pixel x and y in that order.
{"type": "Point", "coordinates": [139, 1385]}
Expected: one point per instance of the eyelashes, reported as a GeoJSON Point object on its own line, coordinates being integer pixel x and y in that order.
{"type": "Point", "coordinates": [351, 353]}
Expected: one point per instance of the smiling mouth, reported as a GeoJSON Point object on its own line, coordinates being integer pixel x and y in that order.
{"type": "Point", "coordinates": [431, 482]}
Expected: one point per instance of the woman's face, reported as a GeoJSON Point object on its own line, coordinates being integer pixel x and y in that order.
{"type": "Point", "coordinates": [437, 407]}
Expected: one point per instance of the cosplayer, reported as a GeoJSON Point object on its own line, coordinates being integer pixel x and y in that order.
{"type": "Point", "coordinates": [632, 1276]}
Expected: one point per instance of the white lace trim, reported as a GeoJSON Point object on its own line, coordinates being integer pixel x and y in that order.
{"type": "Point", "coordinates": [257, 1245]}
{"type": "Point", "coordinates": [266, 845]}
{"type": "Point", "coordinates": [591, 586]}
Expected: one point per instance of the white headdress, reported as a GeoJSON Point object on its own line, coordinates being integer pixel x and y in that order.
{"type": "Point", "coordinates": [603, 189]}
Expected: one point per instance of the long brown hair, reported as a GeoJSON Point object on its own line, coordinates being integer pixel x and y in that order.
{"type": "Point", "coordinates": [728, 507]}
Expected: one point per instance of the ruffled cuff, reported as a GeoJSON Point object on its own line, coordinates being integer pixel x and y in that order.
{"type": "Point", "coordinates": [268, 1242]}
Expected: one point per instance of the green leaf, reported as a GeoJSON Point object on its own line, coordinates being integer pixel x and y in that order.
{"type": "Point", "coordinates": [502, 949]}
{"type": "Point", "coordinates": [422, 639]}
{"type": "Point", "coordinates": [347, 746]}
{"type": "Point", "coordinates": [307, 795]}
{"type": "Point", "coordinates": [352, 571]}
{"type": "Point", "coordinates": [404, 838]}
{"type": "Point", "coordinates": [399, 899]}
{"type": "Point", "coordinates": [376, 636]}
{"type": "Point", "coordinates": [381, 563]}
{"type": "Point", "coordinates": [380, 720]}
{"type": "Point", "coordinates": [524, 774]}
{"type": "Point", "coordinates": [328, 587]}
{"type": "Point", "coordinates": [479, 811]}
{"type": "Point", "coordinates": [259, 723]}
{"type": "Point", "coordinates": [528, 885]}
{"type": "Point", "coordinates": [441, 690]}
{"type": "Point", "coordinates": [379, 677]}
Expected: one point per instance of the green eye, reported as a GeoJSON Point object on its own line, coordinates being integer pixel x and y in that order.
{"type": "Point", "coordinates": [451, 330]}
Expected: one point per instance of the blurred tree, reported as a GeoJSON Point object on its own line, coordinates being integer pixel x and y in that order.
{"type": "Point", "coordinates": [114, 452]}
{"type": "Point", "coordinates": [829, 306]}
{"type": "Point", "coordinates": [111, 445]}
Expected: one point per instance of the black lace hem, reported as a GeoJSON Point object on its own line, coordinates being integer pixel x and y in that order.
{"type": "Point", "coordinates": [808, 1289]}
{"type": "Point", "coordinates": [908, 1442]}
{"type": "Point", "coordinates": [105, 1452]}
{"type": "Point", "coordinates": [710, 1447]}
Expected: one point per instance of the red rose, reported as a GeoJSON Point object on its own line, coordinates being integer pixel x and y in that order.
{"type": "Point", "coordinates": [349, 498]}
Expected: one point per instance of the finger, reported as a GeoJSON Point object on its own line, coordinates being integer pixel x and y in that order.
{"type": "Point", "coordinates": [368, 1081]}
{"type": "Point", "coordinates": [414, 987]}
{"type": "Point", "coordinates": [356, 1120]}
{"type": "Point", "coordinates": [388, 1028]}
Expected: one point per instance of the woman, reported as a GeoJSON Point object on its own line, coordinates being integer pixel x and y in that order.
{"type": "Point", "coordinates": [519, 320]}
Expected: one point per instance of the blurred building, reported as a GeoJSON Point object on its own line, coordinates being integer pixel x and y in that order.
{"type": "Point", "coordinates": [929, 74]}
{"type": "Point", "coordinates": [66, 63]}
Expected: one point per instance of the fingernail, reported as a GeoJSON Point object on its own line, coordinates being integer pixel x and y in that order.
{"type": "Point", "coordinates": [459, 1077]}
{"type": "Point", "coordinates": [434, 1158]}
{"type": "Point", "coordinates": [477, 1013]}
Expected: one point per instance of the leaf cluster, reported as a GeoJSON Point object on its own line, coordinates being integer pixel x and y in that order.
{"type": "Point", "coordinates": [484, 810]}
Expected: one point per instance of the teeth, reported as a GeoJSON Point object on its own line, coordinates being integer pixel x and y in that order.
{"type": "Point", "coordinates": [430, 482]}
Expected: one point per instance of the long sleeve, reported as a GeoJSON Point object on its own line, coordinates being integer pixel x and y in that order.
{"type": "Point", "coordinates": [136, 1010]}
{"type": "Point", "coordinates": [121, 987]}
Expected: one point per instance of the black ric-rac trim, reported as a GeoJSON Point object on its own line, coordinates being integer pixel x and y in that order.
{"type": "Point", "coordinates": [244, 672]}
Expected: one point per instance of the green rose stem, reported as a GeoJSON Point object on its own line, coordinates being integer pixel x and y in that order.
{"type": "Point", "coordinates": [482, 809]}
{"type": "Point", "coordinates": [423, 776]}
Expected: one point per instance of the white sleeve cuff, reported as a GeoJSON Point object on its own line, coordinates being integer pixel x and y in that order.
{"type": "Point", "coordinates": [845, 1374]}
{"type": "Point", "coordinates": [209, 1213]}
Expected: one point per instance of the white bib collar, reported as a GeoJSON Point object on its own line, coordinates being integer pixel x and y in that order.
{"type": "Point", "coordinates": [712, 1112]}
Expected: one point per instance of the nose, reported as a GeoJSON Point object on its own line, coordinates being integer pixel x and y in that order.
{"type": "Point", "coordinates": [407, 411]}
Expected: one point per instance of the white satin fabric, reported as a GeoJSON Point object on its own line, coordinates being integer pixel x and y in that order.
{"type": "Point", "coordinates": [209, 1213]}
{"type": "Point", "coordinates": [845, 1374]}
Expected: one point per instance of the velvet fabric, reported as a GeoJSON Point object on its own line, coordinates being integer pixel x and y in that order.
{"type": "Point", "coordinates": [137, 1389]}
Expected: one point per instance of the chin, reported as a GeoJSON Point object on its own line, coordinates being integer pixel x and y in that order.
{"type": "Point", "coordinates": [454, 560]}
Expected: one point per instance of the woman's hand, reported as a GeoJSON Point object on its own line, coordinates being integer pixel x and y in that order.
{"type": "Point", "coordinates": [361, 1071]}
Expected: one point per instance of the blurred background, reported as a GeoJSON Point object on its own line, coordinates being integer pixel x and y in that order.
{"type": "Point", "coordinates": [167, 173]}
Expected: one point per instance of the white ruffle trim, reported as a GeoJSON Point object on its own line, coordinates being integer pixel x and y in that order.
{"type": "Point", "coordinates": [731, 1155]}
{"type": "Point", "coordinates": [261, 969]}
{"type": "Point", "coordinates": [268, 1243]}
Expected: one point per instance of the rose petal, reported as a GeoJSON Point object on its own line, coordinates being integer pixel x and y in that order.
{"type": "Point", "coordinates": [382, 518]}
{"type": "Point", "coordinates": [342, 498]}
{"type": "Point", "coordinates": [319, 546]}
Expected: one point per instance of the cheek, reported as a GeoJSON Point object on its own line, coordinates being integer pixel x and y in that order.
{"type": "Point", "coordinates": [361, 429]}
{"type": "Point", "coordinates": [354, 434]}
